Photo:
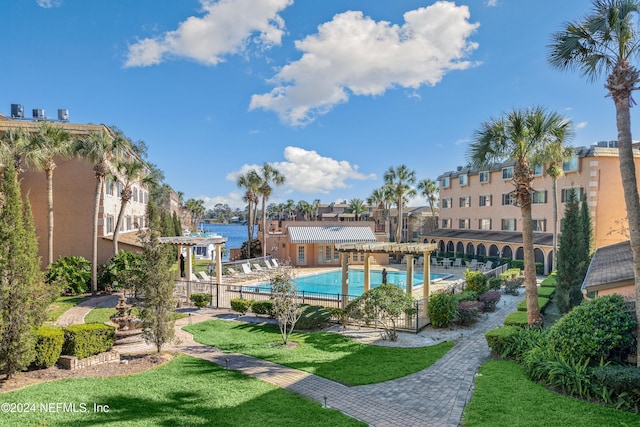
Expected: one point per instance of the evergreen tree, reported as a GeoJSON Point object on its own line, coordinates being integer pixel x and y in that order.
{"type": "Point", "coordinates": [23, 296]}
{"type": "Point", "coordinates": [157, 286]}
{"type": "Point", "coordinates": [587, 229]}
{"type": "Point", "coordinates": [177, 226]}
{"type": "Point", "coordinates": [571, 257]}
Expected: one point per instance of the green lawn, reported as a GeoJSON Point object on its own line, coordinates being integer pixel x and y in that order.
{"type": "Point", "coordinates": [325, 354]}
{"type": "Point", "coordinates": [505, 396]}
{"type": "Point", "coordinates": [62, 304]}
{"type": "Point", "coordinates": [184, 392]}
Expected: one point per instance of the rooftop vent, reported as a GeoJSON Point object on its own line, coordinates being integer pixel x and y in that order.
{"type": "Point", "coordinates": [17, 111]}
{"type": "Point", "coordinates": [63, 114]}
{"type": "Point", "coordinates": [38, 114]}
{"type": "Point", "coordinates": [607, 144]}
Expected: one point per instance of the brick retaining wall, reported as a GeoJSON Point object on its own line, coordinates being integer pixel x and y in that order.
{"type": "Point", "coordinates": [72, 362]}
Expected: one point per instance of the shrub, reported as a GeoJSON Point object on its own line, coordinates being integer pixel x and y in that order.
{"type": "Point", "coordinates": [200, 300]}
{"type": "Point", "coordinates": [542, 303]}
{"type": "Point", "coordinates": [546, 292]}
{"type": "Point", "coordinates": [263, 307]}
{"type": "Point", "coordinates": [120, 272]}
{"type": "Point", "coordinates": [468, 312]}
{"type": "Point", "coordinates": [72, 273]}
{"type": "Point", "coordinates": [489, 300]}
{"type": "Point", "coordinates": [517, 318]}
{"type": "Point", "coordinates": [510, 274]}
{"type": "Point", "coordinates": [512, 286]}
{"type": "Point", "coordinates": [241, 305]}
{"type": "Point", "coordinates": [442, 309]}
{"type": "Point", "coordinates": [49, 341]}
{"type": "Point", "coordinates": [550, 281]}
{"type": "Point", "coordinates": [519, 264]}
{"type": "Point", "coordinates": [498, 338]}
{"type": "Point", "coordinates": [466, 296]}
{"type": "Point", "coordinates": [313, 317]}
{"type": "Point", "coordinates": [476, 281]}
{"type": "Point", "coordinates": [598, 329]}
{"type": "Point", "coordinates": [495, 283]}
{"type": "Point", "coordinates": [618, 385]}
{"type": "Point", "coordinates": [523, 341]}
{"type": "Point", "coordinates": [566, 373]}
{"type": "Point", "coordinates": [87, 339]}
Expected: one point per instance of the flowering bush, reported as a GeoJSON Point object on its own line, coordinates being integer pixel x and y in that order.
{"type": "Point", "coordinates": [469, 312]}
{"type": "Point", "coordinates": [489, 300]}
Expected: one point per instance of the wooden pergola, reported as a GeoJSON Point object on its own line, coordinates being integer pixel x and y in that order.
{"type": "Point", "coordinates": [409, 250]}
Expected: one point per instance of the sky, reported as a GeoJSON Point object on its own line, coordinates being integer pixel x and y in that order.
{"type": "Point", "coordinates": [332, 93]}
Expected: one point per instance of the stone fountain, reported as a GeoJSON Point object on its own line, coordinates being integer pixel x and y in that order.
{"type": "Point", "coordinates": [128, 328]}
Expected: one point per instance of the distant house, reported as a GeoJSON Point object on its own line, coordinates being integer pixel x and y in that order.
{"type": "Point", "coordinates": [611, 272]}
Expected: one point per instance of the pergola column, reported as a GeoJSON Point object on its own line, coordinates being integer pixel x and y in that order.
{"type": "Point", "coordinates": [426, 275]}
{"type": "Point", "coordinates": [367, 272]}
{"type": "Point", "coordinates": [188, 272]}
{"type": "Point", "coordinates": [345, 278]}
{"type": "Point", "coordinates": [218, 263]}
{"type": "Point", "coordinates": [410, 274]}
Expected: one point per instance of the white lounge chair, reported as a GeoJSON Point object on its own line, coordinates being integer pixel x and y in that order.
{"type": "Point", "coordinates": [205, 276]}
{"type": "Point", "coordinates": [487, 266]}
{"type": "Point", "coordinates": [246, 268]}
{"type": "Point", "coordinates": [457, 263]}
{"type": "Point", "coordinates": [275, 262]}
{"type": "Point", "coordinates": [268, 264]}
{"type": "Point", "coordinates": [434, 262]}
{"type": "Point", "coordinates": [257, 267]}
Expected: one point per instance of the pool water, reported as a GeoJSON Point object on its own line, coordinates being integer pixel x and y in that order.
{"type": "Point", "coordinates": [331, 282]}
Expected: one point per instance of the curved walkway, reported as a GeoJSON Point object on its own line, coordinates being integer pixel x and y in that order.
{"type": "Point", "coordinates": [435, 396]}
{"type": "Point", "coordinates": [77, 313]}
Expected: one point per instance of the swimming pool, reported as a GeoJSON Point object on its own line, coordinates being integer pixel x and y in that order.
{"type": "Point", "coordinates": [331, 282]}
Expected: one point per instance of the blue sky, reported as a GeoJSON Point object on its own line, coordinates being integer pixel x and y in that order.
{"type": "Point", "coordinates": [331, 92]}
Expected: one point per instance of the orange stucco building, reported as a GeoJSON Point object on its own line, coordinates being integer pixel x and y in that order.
{"type": "Point", "coordinates": [74, 185]}
{"type": "Point", "coordinates": [477, 216]}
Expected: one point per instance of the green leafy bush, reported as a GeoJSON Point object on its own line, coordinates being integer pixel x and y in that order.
{"type": "Point", "coordinates": [241, 305]}
{"type": "Point", "coordinates": [489, 300]}
{"type": "Point", "coordinates": [466, 296]}
{"type": "Point", "coordinates": [618, 385]}
{"type": "Point", "coordinates": [510, 274]}
{"type": "Point", "coordinates": [71, 273]}
{"type": "Point", "coordinates": [263, 307]}
{"type": "Point", "coordinates": [49, 341]}
{"type": "Point", "coordinates": [442, 309]}
{"type": "Point", "coordinates": [200, 300]}
{"type": "Point", "coordinates": [495, 283]}
{"type": "Point", "coordinates": [519, 264]}
{"type": "Point", "coordinates": [468, 312]}
{"type": "Point", "coordinates": [512, 286]}
{"type": "Point", "coordinates": [313, 317]}
{"type": "Point", "coordinates": [87, 339]}
{"type": "Point", "coordinates": [498, 338]}
{"type": "Point", "coordinates": [542, 303]}
{"type": "Point", "coordinates": [546, 292]}
{"type": "Point", "coordinates": [569, 374]}
{"type": "Point", "coordinates": [550, 281]}
{"type": "Point", "coordinates": [120, 272]}
{"type": "Point", "coordinates": [517, 318]}
{"type": "Point", "coordinates": [598, 329]}
{"type": "Point", "coordinates": [476, 281]}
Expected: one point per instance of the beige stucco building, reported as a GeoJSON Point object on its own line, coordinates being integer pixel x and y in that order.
{"type": "Point", "coordinates": [477, 215]}
{"type": "Point", "coordinates": [74, 185]}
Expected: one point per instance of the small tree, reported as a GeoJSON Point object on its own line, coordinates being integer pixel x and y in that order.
{"type": "Point", "coordinates": [156, 285]}
{"type": "Point", "coordinates": [286, 308]}
{"type": "Point", "coordinates": [571, 262]}
{"type": "Point", "coordinates": [383, 304]}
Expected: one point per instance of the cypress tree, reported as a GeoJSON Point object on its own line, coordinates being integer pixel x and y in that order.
{"type": "Point", "coordinates": [587, 228]}
{"type": "Point", "coordinates": [23, 296]}
{"type": "Point", "coordinates": [157, 285]}
{"type": "Point", "coordinates": [177, 226]}
{"type": "Point", "coordinates": [571, 261]}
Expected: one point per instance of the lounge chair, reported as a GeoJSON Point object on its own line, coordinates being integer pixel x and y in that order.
{"type": "Point", "coordinates": [275, 263]}
{"type": "Point", "coordinates": [457, 263]}
{"type": "Point", "coordinates": [487, 266]}
{"type": "Point", "coordinates": [246, 268]}
{"type": "Point", "coordinates": [205, 276]}
{"type": "Point", "coordinates": [472, 265]}
{"type": "Point", "coordinates": [268, 264]}
{"type": "Point", "coordinates": [257, 267]}
{"type": "Point", "coordinates": [420, 261]}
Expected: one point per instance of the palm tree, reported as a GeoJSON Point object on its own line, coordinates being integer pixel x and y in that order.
{"type": "Point", "coordinates": [316, 208]}
{"type": "Point", "coordinates": [399, 181]}
{"type": "Point", "coordinates": [429, 190]}
{"type": "Point", "coordinates": [251, 183]}
{"type": "Point", "coordinates": [49, 142]}
{"type": "Point", "coordinates": [304, 208]}
{"type": "Point", "coordinates": [196, 210]}
{"type": "Point", "coordinates": [131, 173]}
{"type": "Point", "coordinates": [357, 207]}
{"type": "Point", "coordinates": [523, 136]}
{"type": "Point", "coordinates": [99, 148]}
{"type": "Point", "coordinates": [267, 174]}
{"type": "Point", "coordinates": [603, 44]}
{"type": "Point", "coordinates": [290, 207]}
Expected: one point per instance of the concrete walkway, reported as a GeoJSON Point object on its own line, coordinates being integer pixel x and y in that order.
{"type": "Point", "coordinates": [435, 396]}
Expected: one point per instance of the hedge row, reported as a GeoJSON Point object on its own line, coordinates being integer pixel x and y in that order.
{"type": "Point", "coordinates": [84, 340]}
{"type": "Point", "coordinates": [543, 302]}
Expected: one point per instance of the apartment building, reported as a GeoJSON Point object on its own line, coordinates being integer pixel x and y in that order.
{"type": "Point", "coordinates": [73, 194]}
{"type": "Point", "coordinates": [478, 218]}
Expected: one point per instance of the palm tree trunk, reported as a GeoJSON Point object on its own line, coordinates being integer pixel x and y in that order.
{"type": "Point", "coordinates": [399, 222]}
{"type": "Point", "coordinates": [116, 230]}
{"type": "Point", "coordinates": [554, 195]}
{"type": "Point", "coordinates": [264, 227]}
{"type": "Point", "coordinates": [49, 174]}
{"type": "Point", "coordinates": [249, 234]}
{"type": "Point", "coordinates": [530, 282]}
{"type": "Point", "coordinates": [94, 253]}
{"type": "Point", "coordinates": [629, 186]}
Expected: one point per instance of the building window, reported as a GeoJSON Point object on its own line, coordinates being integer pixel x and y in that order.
{"type": "Point", "coordinates": [539, 225]}
{"type": "Point", "coordinates": [564, 194]}
{"type": "Point", "coordinates": [508, 199]}
{"type": "Point", "coordinates": [301, 254]}
{"type": "Point", "coordinates": [446, 223]}
{"type": "Point", "coordinates": [446, 203]}
{"type": "Point", "coordinates": [444, 182]}
{"type": "Point", "coordinates": [119, 188]}
{"type": "Point", "coordinates": [464, 179]}
{"type": "Point", "coordinates": [464, 223]}
{"type": "Point", "coordinates": [128, 222]}
{"type": "Point", "coordinates": [507, 173]}
{"type": "Point", "coordinates": [110, 224]}
{"type": "Point", "coordinates": [485, 200]}
{"type": "Point", "coordinates": [484, 176]}
{"type": "Point", "coordinates": [134, 193]}
{"type": "Point", "coordinates": [570, 165]}
{"type": "Point", "coordinates": [141, 195]}
{"type": "Point", "coordinates": [327, 253]}
{"type": "Point", "coordinates": [509, 224]}
{"type": "Point", "coordinates": [465, 201]}
{"type": "Point", "coordinates": [336, 254]}
{"type": "Point", "coordinates": [484, 224]}
{"type": "Point", "coordinates": [539, 197]}
{"type": "Point", "coordinates": [109, 187]}
{"type": "Point", "coordinates": [537, 170]}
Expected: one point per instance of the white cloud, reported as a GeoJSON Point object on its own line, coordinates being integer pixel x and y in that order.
{"type": "Point", "coordinates": [491, 3]}
{"type": "Point", "coordinates": [308, 172]}
{"type": "Point", "coordinates": [227, 27]}
{"type": "Point", "coordinates": [353, 54]}
{"type": "Point", "coordinates": [49, 3]}
{"type": "Point", "coordinates": [581, 125]}
{"type": "Point", "coordinates": [233, 199]}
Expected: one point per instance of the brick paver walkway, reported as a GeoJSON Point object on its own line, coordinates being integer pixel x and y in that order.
{"type": "Point", "coordinates": [435, 396]}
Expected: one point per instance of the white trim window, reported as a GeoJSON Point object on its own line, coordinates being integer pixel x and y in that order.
{"type": "Point", "coordinates": [537, 170]}
{"type": "Point", "coordinates": [508, 199]}
{"type": "Point", "coordinates": [463, 179]}
{"type": "Point", "coordinates": [446, 222]}
{"type": "Point", "coordinates": [570, 165]}
{"type": "Point", "coordinates": [507, 173]}
{"type": "Point", "coordinates": [444, 182]}
{"type": "Point", "coordinates": [484, 177]}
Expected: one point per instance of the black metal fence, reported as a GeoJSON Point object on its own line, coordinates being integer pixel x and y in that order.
{"type": "Point", "coordinates": [221, 296]}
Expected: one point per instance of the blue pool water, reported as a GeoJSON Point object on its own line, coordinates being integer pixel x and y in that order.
{"type": "Point", "coordinates": [331, 282]}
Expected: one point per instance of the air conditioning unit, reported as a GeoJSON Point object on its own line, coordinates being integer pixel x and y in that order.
{"type": "Point", "coordinates": [63, 114]}
{"type": "Point", "coordinates": [38, 114]}
{"type": "Point", "coordinates": [17, 111]}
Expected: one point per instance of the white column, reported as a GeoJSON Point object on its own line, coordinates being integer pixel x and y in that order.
{"type": "Point", "coordinates": [367, 272]}
{"type": "Point", "coordinates": [345, 278]}
{"type": "Point", "coordinates": [218, 263]}
{"type": "Point", "coordinates": [410, 274]}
